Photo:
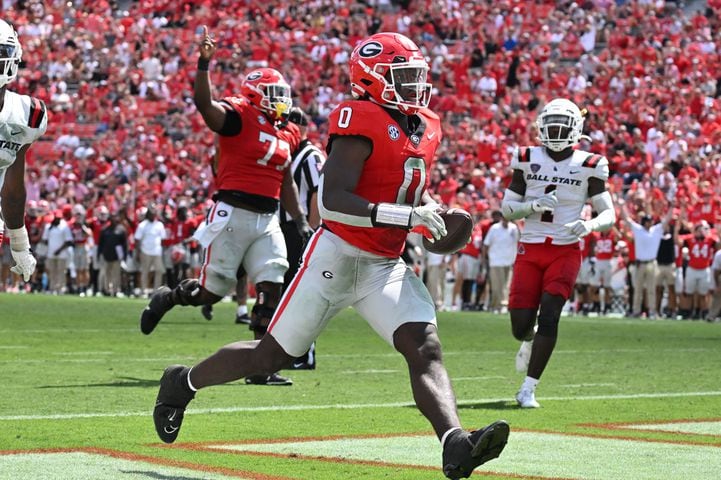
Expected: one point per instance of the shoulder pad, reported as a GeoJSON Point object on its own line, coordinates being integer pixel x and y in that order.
{"type": "Point", "coordinates": [520, 157]}
{"type": "Point", "coordinates": [38, 112]}
{"type": "Point", "coordinates": [591, 160]}
{"type": "Point", "coordinates": [354, 117]}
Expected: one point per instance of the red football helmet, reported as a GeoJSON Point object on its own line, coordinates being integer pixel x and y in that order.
{"type": "Point", "coordinates": [267, 89]}
{"type": "Point", "coordinates": [391, 70]}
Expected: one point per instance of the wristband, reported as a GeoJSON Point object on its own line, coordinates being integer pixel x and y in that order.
{"type": "Point", "coordinates": [19, 240]}
{"type": "Point", "coordinates": [203, 64]}
{"type": "Point", "coordinates": [391, 215]}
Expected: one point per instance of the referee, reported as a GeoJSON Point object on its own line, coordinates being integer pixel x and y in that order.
{"type": "Point", "coordinates": [305, 168]}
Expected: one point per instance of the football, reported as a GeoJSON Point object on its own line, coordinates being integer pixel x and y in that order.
{"type": "Point", "coordinates": [459, 225]}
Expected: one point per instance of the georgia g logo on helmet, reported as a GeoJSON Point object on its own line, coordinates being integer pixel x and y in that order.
{"type": "Point", "coordinates": [370, 49]}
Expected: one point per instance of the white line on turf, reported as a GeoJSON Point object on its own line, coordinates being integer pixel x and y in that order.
{"type": "Point", "coordinates": [275, 408]}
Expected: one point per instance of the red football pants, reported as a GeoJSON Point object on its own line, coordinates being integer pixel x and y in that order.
{"type": "Point", "coordinates": [543, 267]}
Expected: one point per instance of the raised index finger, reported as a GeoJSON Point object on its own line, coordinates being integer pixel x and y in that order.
{"type": "Point", "coordinates": [205, 30]}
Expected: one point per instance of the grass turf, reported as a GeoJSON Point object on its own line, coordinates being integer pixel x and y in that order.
{"type": "Point", "coordinates": [77, 373]}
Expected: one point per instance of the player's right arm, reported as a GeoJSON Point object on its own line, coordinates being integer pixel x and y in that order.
{"type": "Point", "coordinates": [338, 202]}
{"type": "Point", "coordinates": [213, 112]}
{"type": "Point", "coordinates": [514, 205]}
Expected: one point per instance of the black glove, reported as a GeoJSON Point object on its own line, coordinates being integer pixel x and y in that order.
{"type": "Point", "coordinates": [303, 228]}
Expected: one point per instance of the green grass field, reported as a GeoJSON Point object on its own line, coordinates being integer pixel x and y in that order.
{"type": "Point", "coordinates": [621, 399]}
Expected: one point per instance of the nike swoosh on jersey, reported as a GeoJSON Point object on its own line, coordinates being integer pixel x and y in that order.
{"type": "Point", "coordinates": [574, 172]}
{"type": "Point", "coordinates": [431, 135]}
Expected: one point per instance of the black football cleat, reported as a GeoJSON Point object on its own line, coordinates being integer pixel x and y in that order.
{"type": "Point", "coordinates": [207, 312]}
{"type": "Point", "coordinates": [160, 304]}
{"type": "Point", "coordinates": [242, 319]}
{"type": "Point", "coordinates": [170, 405]}
{"type": "Point", "coordinates": [274, 380]}
{"type": "Point", "coordinates": [465, 451]}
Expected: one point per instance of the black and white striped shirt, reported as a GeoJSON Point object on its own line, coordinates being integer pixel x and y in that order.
{"type": "Point", "coordinates": [305, 167]}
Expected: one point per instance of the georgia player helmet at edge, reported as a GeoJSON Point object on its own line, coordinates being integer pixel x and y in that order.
{"type": "Point", "coordinates": [10, 53]}
{"type": "Point", "coordinates": [390, 70]}
{"type": "Point", "coordinates": [268, 91]}
{"type": "Point", "coordinates": [560, 125]}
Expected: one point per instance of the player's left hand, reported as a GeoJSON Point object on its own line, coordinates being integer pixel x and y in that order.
{"type": "Point", "coordinates": [579, 228]}
{"type": "Point", "coordinates": [304, 229]}
{"type": "Point", "coordinates": [24, 263]}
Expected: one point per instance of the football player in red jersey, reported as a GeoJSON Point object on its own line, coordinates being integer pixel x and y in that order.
{"type": "Point", "coordinates": [24, 120]}
{"type": "Point", "coordinates": [701, 248]}
{"type": "Point", "coordinates": [372, 192]}
{"type": "Point", "coordinates": [242, 227]}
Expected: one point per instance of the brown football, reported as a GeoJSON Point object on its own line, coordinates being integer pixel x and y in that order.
{"type": "Point", "coordinates": [459, 225]}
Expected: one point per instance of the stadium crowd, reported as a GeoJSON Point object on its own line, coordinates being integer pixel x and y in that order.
{"type": "Point", "coordinates": [126, 145]}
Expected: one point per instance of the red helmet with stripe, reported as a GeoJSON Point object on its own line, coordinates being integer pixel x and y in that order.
{"type": "Point", "coordinates": [389, 69]}
{"type": "Point", "coordinates": [267, 90]}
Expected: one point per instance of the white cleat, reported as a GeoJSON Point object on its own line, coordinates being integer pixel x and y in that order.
{"type": "Point", "coordinates": [523, 357]}
{"type": "Point", "coordinates": [526, 398]}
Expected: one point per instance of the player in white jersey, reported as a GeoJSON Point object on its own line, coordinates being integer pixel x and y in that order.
{"type": "Point", "coordinates": [23, 120]}
{"type": "Point", "coordinates": [550, 187]}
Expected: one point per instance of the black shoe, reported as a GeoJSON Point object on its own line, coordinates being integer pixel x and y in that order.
{"type": "Point", "coordinates": [244, 319]}
{"type": "Point", "coordinates": [272, 380]}
{"type": "Point", "coordinates": [160, 303]}
{"type": "Point", "coordinates": [170, 405]}
{"type": "Point", "coordinates": [207, 311]}
{"type": "Point", "coordinates": [465, 451]}
{"type": "Point", "coordinates": [302, 365]}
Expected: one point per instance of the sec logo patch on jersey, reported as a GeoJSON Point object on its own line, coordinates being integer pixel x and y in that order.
{"type": "Point", "coordinates": [393, 132]}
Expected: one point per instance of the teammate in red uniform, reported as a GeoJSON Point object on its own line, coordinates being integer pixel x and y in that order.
{"type": "Point", "coordinates": [585, 273]}
{"type": "Point", "coordinates": [697, 284]}
{"type": "Point", "coordinates": [242, 227]}
{"type": "Point", "coordinates": [468, 266]}
{"type": "Point", "coordinates": [604, 248]}
{"type": "Point", "coordinates": [372, 192]}
{"type": "Point", "coordinates": [82, 238]}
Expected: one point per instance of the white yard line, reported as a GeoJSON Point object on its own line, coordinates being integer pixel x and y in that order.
{"type": "Point", "coordinates": [275, 408]}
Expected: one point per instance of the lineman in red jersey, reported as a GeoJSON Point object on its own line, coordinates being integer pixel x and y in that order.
{"type": "Point", "coordinates": [701, 248]}
{"type": "Point", "coordinates": [242, 227]}
{"type": "Point", "coordinates": [549, 188]}
{"type": "Point", "coordinates": [604, 248]}
{"type": "Point", "coordinates": [371, 194]}
{"type": "Point", "coordinates": [82, 236]}
{"type": "Point", "coordinates": [468, 266]}
{"type": "Point", "coordinates": [583, 279]}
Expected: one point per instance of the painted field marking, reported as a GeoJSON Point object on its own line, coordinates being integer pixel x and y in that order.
{"type": "Point", "coordinates": [564, 456]}
{"type": "Point", "coordinates": [342, 406]}
{"type": "Point", "coordinates": [707, 427]}
{"type": "Point", "coordinates": [105, 464]}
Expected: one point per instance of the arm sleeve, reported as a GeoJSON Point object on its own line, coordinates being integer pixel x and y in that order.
{"type": "Point", "coordinates": [603, 204]}
{"type": "Point", "coordinates": [513, 207]}
{"type": "Point", "coordinates": [601, 170]}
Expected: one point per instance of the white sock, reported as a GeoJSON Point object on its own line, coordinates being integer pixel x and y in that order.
{"type": "Point", "coordinates": [242, 310]}
{"type": "Point", "coordinates": [190, 385]}
{"type": "Point", "coordinates": [445, 435]}
{"type": "Point", "coordinates": [530, 383]}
